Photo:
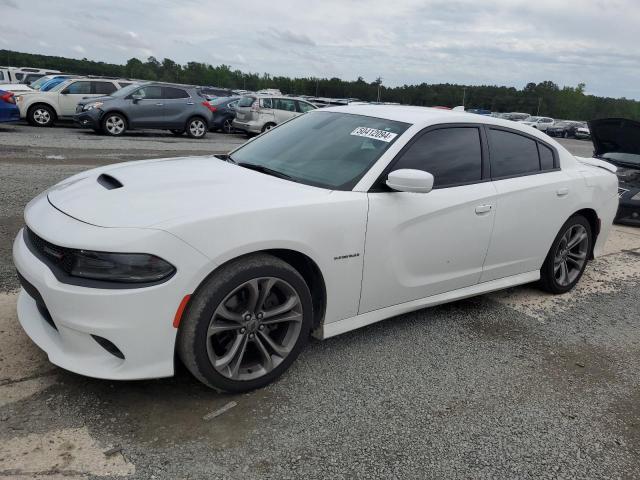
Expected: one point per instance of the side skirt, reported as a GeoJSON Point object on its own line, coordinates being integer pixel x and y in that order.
{"type": "Point", "coordinates": [342, 326]}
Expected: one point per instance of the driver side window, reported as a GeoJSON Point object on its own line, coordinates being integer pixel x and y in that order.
{"type": "Point", "coordinates": [452, 155]}
{"type": "Point", "coordinates": [152, 92]}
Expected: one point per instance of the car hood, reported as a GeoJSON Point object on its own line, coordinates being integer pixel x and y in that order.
{"type": "Point", "coordinates": [617, 135]}
{"type": "Point", "coordinates": [172, 191]}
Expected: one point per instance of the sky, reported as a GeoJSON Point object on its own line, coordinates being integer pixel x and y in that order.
{"type": "Point", "coordinates": [495, 42]}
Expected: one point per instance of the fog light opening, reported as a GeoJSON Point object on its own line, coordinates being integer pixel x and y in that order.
{"type": "Point", "coordinates": [108, 346]}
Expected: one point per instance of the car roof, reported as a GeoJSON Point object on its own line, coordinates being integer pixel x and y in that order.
{"type": "Point", "coordinates": [425, 116]}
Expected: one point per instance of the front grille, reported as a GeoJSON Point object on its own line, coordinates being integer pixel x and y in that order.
{"type": "Point", "coordinates": [60, 257]}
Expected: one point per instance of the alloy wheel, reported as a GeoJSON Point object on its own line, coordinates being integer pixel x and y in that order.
{"type": "Point", "coordinates": [41, 116]}
{"type": "Point", "coordinates": [227, 127]}
{"type": "Point", "coordinates": [197, 128]}
{"type": "Point", "coordinates": [570, 255]}
{"type": "Point", "coordinates": [114, 125]}
{"type": "Point", "coordinates": [254, 328]}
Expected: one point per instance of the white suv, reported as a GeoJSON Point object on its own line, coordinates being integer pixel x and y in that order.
{"type": "Point", "coordinates": [42, 109]}
{"type": "Point", "coordinates": [258, 113]}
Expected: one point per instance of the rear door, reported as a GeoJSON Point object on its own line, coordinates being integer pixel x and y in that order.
{"type": "Point", "coordinates": [149, 110]}
{"type": "Point", "coordinates": [178, 105]}
{"type": "Point", "coordinates": [284, 109]}
{"type": "Point", "coordinates": [534, 200]}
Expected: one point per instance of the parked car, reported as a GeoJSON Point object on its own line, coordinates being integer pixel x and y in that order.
{"type": "Point", "coordinates": [617, 141]}
{"type": "Point", "coordinates": [42, 109]}
{"type": "Point", "coordinates": [163, 106]}
{"type": "Point", "coordinates": [23, 74]}
{"type": "Point", "coordinates": [258, 113]}
{"type": "Point", "coordinates": [564, 128]}
{"type": "Point", "coordinates": [231, 262]}
{"type": "Point", "coordinates": [540, 123]}
{"type": "Point", "coordinates": [583, 132]}
{"type": "Point", "coordinates": [9, 112]}
{"type": "Point", "coordinates": [223, 109]}
{"type": "Point", "coordinates": [215, 92]}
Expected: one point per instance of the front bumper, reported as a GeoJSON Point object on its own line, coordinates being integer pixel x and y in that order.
{"type": "Point", "coordinates": [72, 320]}
{"type": "Point", "coordinates": [628, 210]}
{"type": "Point", "coordinates": [88, 119]}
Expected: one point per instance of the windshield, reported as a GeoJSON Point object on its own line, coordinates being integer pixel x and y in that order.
{"type": "Point", "coordinates": [221, 100]}
{"type": "Point", "coordinates": [60, 86]}
{"type": "Point", "coordinates": [629, 158]}
{"type": "Point", "coordinates": [41, 81]}
{"type": "Point", "coordinates": [325, 149]}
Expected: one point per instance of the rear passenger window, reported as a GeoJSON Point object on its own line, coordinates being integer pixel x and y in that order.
{"type": "Point", "coordinates": [79, 88]}
{"type": "Point", "coordinates": [104, 88]}
{"type": "Point", "coordinates": [512, 154]}
{"type": "Point", "coordinates": [171, 92]}
{"type": "Point", "coordinates": [546, 157]}
{"type": "Point", "coordinates": [452, 155]}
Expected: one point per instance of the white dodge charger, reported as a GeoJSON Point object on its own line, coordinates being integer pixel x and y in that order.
{"type": "Point", "coordinates": [334, 220]}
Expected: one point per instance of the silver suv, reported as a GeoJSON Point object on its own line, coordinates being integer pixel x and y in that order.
{"type": "Point", "coordinates": [258, 113]}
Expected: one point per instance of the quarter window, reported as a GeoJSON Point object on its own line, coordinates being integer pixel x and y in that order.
{"type": "Point", "coordinates": [512, 154]}
{"type": "Point", "coordinates": [104, 88]}
{"type": "Point", "coordinates": [452, 155]}
{"type": "Point", "coordinates": [546, 157]}
{"type": "Point", "coordinates": [304, 107]}
{"type": "Point", "coordinates": [266, 103]}
{"type": "Point", "coordinates": [285, 104]}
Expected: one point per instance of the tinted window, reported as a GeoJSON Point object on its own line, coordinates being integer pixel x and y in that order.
{"type": "Point", "coordinates": [19, 76]}
{"type": "Point", "coordinates": [512, 154]}
{"type": "Point", "coordinates": [284, 104]}
{"type": "Point", "coordinates": [171, 92]}
{"type": "Point", "coordinates": [546, 157]}
{"type": "Point", "coordinates": [79, 88]}
{"type": "Point", "coordinates": [151, 92]}
{"type": "Point", "coordinates": [246, 101]}
{"type": "Point", "coordinates": [452, 155]}
{"type": "Point", "coordinates": [305, 107]}
{"type": "Point", "coordinates": [104, 88]}
{"type": "Point", "coordinates": [266, 103]}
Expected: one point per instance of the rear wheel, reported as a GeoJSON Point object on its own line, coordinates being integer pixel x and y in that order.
{"type": "Point", "coordinates": [268, 126]}
{"type": "Point", "coordinates": [114, 124]}
{"type": "Point", "coordinates": [196, 128]}
{"type": "Point", "coordinates": [41, 116]}
{"type": "Point", "coordinates": [227, 125]}
{"type": "Point", "coordinates": [568, 256]}
{"type": "Point", "coordinates": [246, 324]}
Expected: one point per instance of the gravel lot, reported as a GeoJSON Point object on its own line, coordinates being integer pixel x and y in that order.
{"type": "Point", "coordinates": [516, 384]}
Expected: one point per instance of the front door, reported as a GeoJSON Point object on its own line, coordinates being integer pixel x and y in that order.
{"type": "Point", "coordinates": [418, 245]}
{"type": "Point", "coordinates": [69, 97]}
{"type": "Point", "coordinates": [147, 111]}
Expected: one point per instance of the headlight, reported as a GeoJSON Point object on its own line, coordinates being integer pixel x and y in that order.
{"type": "Point", "coordinates": [636, 197]}
{"type": "Point", "coordinates": [120, 267]}
{"type": "Point", "coordinates": [92, 105]}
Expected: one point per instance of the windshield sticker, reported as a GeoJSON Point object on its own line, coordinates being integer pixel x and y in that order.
{"type": "Point", "coordinates": [374, 134]}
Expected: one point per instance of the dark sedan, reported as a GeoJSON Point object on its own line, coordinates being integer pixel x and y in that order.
{"type": "Point", "coordinates": [565, 129]}
{"type": "Point", "coordinates": [223, 109]}
{"type": "Point", "coordinates": [617, 140]}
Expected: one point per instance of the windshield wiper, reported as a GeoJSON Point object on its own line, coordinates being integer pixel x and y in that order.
{"type": "Point", "coordinates": [263, 169]}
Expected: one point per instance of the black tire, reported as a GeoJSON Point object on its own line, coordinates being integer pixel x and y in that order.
{"type": "Point", "coordinates": [227, 126]}
{"type": "Point", "coordinates": [177, 132]}
{"type": "Point", "coordinates": [196, 127]}
{"type": "Point", "coordinates": [548, 280]}
{"type": "Point", "coordinates": [114, 124]}
{"type": "Point", "coordinates": [41, 115]}
{"type": "Point", "coordinates": [268, 126]}
{"type": "Point", "coordinates": [193, 344]}
{"type": "Point", "coordinates": [566, 134]}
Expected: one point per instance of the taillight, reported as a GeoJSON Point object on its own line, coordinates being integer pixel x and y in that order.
{"type": "Point", "coordinates": [210, 107]}
{"type": "Point", "coordinates": [8, 97]}
{"type": "Point", "coordinates": [255, 106]}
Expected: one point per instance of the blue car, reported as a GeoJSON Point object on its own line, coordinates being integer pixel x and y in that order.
{"type": "Point", "coordinates": [9, 111]}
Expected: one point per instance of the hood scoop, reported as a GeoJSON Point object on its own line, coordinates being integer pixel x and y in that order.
{"type": "Point", "coordinates": [109, 182]}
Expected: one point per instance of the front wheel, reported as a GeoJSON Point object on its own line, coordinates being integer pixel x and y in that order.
{"type": "Point", "coordinates": [196, 128]}
{"type": "Point", "coordinates": [246, 324]}
{"type": "Point", "coordinates": [114, 124]}
{"type": "Point", "coordinates": [568, 256]}
{"type": "Point", "coordinates": [227, 125]}
{"type": "Point", "coordinates": [41, 116]}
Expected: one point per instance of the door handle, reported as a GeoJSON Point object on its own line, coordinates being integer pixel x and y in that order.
{"type": "Point", "coordinates": [561, 192]}
{"type": "Point", "coordinates": [480, 209]}
{"type": "Point", "coordinates": [190, 103]}
{"type": "Point", "coordinates": [159, 104]}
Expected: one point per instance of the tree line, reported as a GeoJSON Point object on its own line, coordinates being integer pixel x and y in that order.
{"type": "Point", "coordinates": [545, 98]}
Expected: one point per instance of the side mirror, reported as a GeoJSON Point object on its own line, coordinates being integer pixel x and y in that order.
{"type": "Point", "coordinates": [136, 98]}
{"type": "Point", "coordinates": [409, 180]}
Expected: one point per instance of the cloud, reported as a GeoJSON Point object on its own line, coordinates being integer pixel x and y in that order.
{"type": "Point", "coordinates": [79, 49]}
{"type": "Point", "coordinates": [504, 42]}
